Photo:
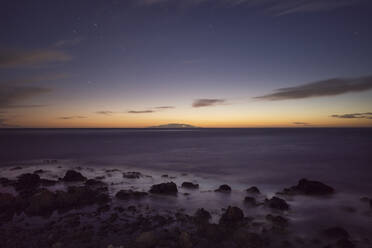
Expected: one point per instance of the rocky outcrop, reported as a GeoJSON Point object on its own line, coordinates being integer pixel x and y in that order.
{"type": "Point", "coordinates": [253, 190]}
{"type": "Point", "coordinates": [307, 187]}
{"type": "Point", "coordinates": [232, 216]}
{"type": "Point", "coordinates": [27, 181]}
{"type": "Point", "coordinates": [132, 175]}
{"type": "Point", "coordinates": [130, 194]}
{"type": "Point", "coordinates": [224, 188]}
{"type": "Point", "coordinates": [190, 185]}
{"type": "Point", "coordinates": [73, 176]}
{"type": "Point", "coordinates": [277, 203]}
{"type": "Point", "coordinates": [250, 201]}
{"type": "Point", "coordinates": [336, 233]}
{"type": "Point", "coordinates": [164, 188]}
{"type": "Point", "coordinates": [146, 240]}
{"type": "Point", "coordinates": [202, 216]}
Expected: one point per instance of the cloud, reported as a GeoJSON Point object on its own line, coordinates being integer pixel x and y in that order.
{"type": "Point", "coordinates": [329, 87]}
{"type": "Point", "coordinates": [38, 78]}
{"type": "Point", "coordinates": [105, 112]}
{"type": "Point", "coordinates": [140, 111]}
{"type": "Point", "coordinates": [165, 107]}
{"type": "Point", "coordinates": [204, 102]}
{"type": "Point", "coordinates": [11, 58]}
{"type": "Point", "coordinates": [72, 42]}
{"type": "Point", "coordinates": [301, 123]}
{"type": "Point", "coordinates": [72, 117]}
{"type": "Point", "coordinates": [11, 96]}
{"type": "Point", "coordinates": [274, 7]}
{"type": "Point", "coordinates": [367, 115]}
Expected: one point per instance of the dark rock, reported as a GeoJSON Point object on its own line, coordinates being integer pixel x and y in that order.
{"type": "Point", "coordinates": [165, 176]}
{"type": "Point", "coordinates": [253, 190]}
{"type": "Point", "coordinates": [202, 216]}
{"type": "Point", "coordinates": [232, 215]}
{"type": "Point", "coordinates": [277, 220]}
{"type": "Point", "coordinates": [370, 203]}
{"type": "Point", "coordinates": [146, 240]}
{"type": "Point", "coordinates": [344, 243]}
{"type": "Point", "coordinates": [224, 188]}
{"type": "Point", "coordinates": [212, 232]}
{"type": "Point", "coordinates": [184, 240]}
{"type": "Point", "coordinates": [336, 233]}
{"type": "Point", "coordinates": [164, 188]}
{"type": "Point", "coordinates": [73, 176]}
{"type": "Point", "coordinates": [308, 187]}
{"type": "Point", "coordinates": [27, 181]}
{"type": "Point", "coordinates": [6, 182]}
{"type": "Point", "coordinates": [190, 185]}
{"type": "Point", "coordinates": [16, 168]}
{"type": "Point", "coordinates": [251, 201]}
{"type": "Point", "coordinates": [277, 203]}
{"type": "Point", "coordinates": [93, 182]}
{"type": "Point", "coordinates": [132, 175]}
{"type": "Point", "coordinates": [129, 194]}
{"type": "Point", "coordinates": [364, 199]}
{"type": "Point", "coordinates": [47, 182]}
{"type": "Point", "coordinates": [7, 208]}
{"type": "Point", "coordinates": [41, 204]}
{"type": "Point", "coordinates": [244, 238]}
{"type": "Point", "coordinates": [39, 171]}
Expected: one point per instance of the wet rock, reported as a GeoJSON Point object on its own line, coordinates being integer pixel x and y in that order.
{"type": "Point", "coordinates": [27, 181]}
{"type": "Point", "coordinates": [244, 238]}
{"type": "Point", "coordinates": [73, 176]}
{"type": "Point", "coordinates": [165, 176]}
{"type": "Point", "coordinates": [190, 185]}
{"type": "Point", "coordinates": [94, 182]}
{"type": "Point", "coordinates": [164, 188]}
{"type": "Point", "coordinates": [202, 216]}
{"type": "Point", "coordinates": [132, 175]}
{"type": "Point", "coordinates": [212, 232]}
{"type": "Point", "coordinates": [7, 209]}
{"type": "Point", "coordinates": [39, 171]}
{"type": "Point", "coordinates": [185, 240]}
{"type": "Point", "coordinates": [344, 243]}
{"type": "Point", "coordinates": [277, 220]}
{"type": "Point", "coordinates": [233, 215]}
{"type": "Point", "coordinates": [251, 201]}
{"type": "Point", "coordinates": [130, 194]}
{"type": "Point", "coordinates": [47, 182]}
{"type": "Point", "coordinates": [5, 182]}
{"type": "Point", "coordinates": [336, 233]}
{"type": "Point", "coordinates": [224, 189]}
{"type": "Point", "coordinates": [146, 240]}
{"type": "Point", "coordinates": [308, 187]}
{"type": "Point", "coordinates": [41, 204]}
{"type": "Point", "coordinates": [253, 190]}
{"type": "Point", "coordinates": [277, 203]}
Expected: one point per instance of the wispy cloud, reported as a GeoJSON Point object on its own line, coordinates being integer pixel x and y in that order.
{"type": "Point", "coordinates": [36, 78]}
{"type": "Point", "coordinates": [14, 96]}
{"type": "Point", "coordinates": [140, 111]}
{"type": "Point", "coordinates": [70, 42]}
{"type": "Point", "coordinates": [329, 87]}
{"type": "Point", "coordinates": [72, 117]}
{"type": "Point", "coordinates": [301, 123]}
{"type": "Point", "coordinates": [165, 107]}
{"type": "Point", "coordinates": [205, 102]}
{"type": "Point", "coordinates": [11, 58]}
{"type": "Point", "coordinates": [367, 115]}
{"type": "Point", "coordinates": [274, 7]}
{"type": "Point", "coordinates": [105, 112]}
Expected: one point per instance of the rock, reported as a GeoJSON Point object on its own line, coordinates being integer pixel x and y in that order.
{"type": "Point", "coordinates": [336, 233]}
{"type": "Point", "coordinates": [146, 240]}
{"type": "Point", "coordinates": [41, 204]}
{"type": "Point", "coordinates": [132, 175]}
{"type": "Point", "coordinates": [202, 216]}
{"type": "Point", "coordinates": [94, 182]}
{"type": "Point", "coordinates": [164, 188]}
{"type": "Point", "coordinates": [184, 240]}
{"type": "Point", "coordinates": [251, 201]}
{"type": "Point", "coordinates": [190, 185]}
{"type": "Point", "coordinates": [344, 243]}
{"type": "Point", "coordinates": [6, 182]}
{"type": "Point", "coordinates": [244, 238]}
{"type": "Point", "coordinates": [165, 176]}
{"type": "Point", "coordinates": [129, 194]}
{"type": "Point", "coordinates": [73, 176]}
{"type": "Point", "coordinates": [224, 188]}
{"type": "Point", "coordinates": [370, 203]}
{"type": "Point", "coordinates": [308, 187]}
{"type": "Point", "coordinates": [233, 215]}
{"type": "Point", "coordinates": [277, 220]}
{"type": "Point", "coordinates": [16, 168]}
{"type": "Point", "coordinates": [212, 232]}
{"type": "Point", "coordinates": [253, 190]}
{"type": "Point", "coordinates": [27, 181]}
{"type": "Point", "coordinates": [47, 182]}
{"type": "Point", "coordinates": [7, 208]}
{"type": "Point", "coordinates": [277, 203]}
{"type": "Point", "coordinates": [39, 171]}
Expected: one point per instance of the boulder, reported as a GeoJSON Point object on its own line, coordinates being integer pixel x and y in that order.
{"type": "Point", "coordinates": [73, 176]}
{"type": "Point", "coordinates": [277, 203]}
{"type": "Point", "coordinates": [224, 188]}
{"type": "Point", "coordinates": [164, 188]}
{"type": "Point", "coordinates": [95, 183]}
{"type": "Point", "coordinates": [244, 238]}
{"type": "Point", "coordinates": [146, 240]}
{"type": "Point", "coordinates": [47, 182]}
{"type": "Point", "coordinates": [27, 181]}
{"type": "Point", "coordinates": [132, 175]}
{"type": "Point", "coordinates": [251, 201]}
{"type": "Point", "coordinates": [41, 204]}
{"type": "Point", "coordinates": [7, 208]}
{"type": "Point", "coordinates": [5, 182]}
{"type": "Point", "coordinates": [336, 233]}
{"type": "Point", "coordinates": [344, 243]}
{"type": "Point", "coordinates": [307, 187]}
{"type": "Point", "coordinates": [233, 215]}
{"type": "Point", "coordinates": [129, 194]}
{"type": "Point", "coordinates": [190, 185]}
{"type": "Point", "coordinates": [184, 240]}
{"type": "Point", "coordinates": [253, 190]}
{"type": "Point", "coordinates": [277, 220]}
{"type": "Point", "coordinates": [202, 216]}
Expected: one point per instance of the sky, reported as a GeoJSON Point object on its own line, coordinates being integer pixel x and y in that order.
{"type": "Point", "coordinates": [207, 63]}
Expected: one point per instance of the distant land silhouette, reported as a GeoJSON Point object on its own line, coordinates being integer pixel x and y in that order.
{"type": "Point", "coordinates": [174, 125]}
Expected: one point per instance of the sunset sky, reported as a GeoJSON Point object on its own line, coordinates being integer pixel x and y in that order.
{"type": "Point", "coordinates": [208, 63]}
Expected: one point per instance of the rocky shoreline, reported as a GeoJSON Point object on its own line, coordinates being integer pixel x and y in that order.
{"type": "Point", "coordinates": [77, 211]}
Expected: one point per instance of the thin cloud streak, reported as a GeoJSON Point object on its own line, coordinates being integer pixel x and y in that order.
{"type": "Point", "coordinates": [367, 115]}
{"type": "Point", "coordinates": [329, 87]}
{"type": "Point", "coordinates": [165, 107]}
{"type": "Point", "coordinates": [11, 96]}
{"type": "Point", "coordinates": [72, 117]}
{"type": "Point", "coordinates": [105, 112]}
{"type": "Point", "coordinates": [140, 111]}
{"type": "Point", "coordinates": [206, 102]}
